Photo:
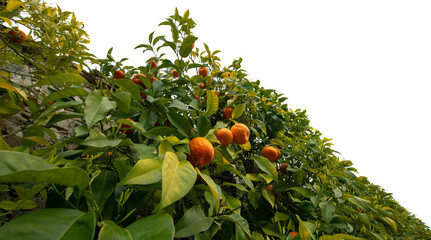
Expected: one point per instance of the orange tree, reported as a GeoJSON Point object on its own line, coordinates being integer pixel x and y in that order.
{"type": "Point", "coordinates": [145, 161]}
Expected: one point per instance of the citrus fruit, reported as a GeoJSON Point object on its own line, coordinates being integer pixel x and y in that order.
{"type": "Point", "coordinates": [153, 64]}
{"type": "Point", "coordinates": [271, 188]}
{"type": "Point", "coordinates": [227, 112]}
{"type": "Point", "coordinates": [203, 71]}
{"type": "Point", "coordinates": [119, 74]}
{"type": "Point", "coordinates": [224, 136]}
{"type": "Point", "coordinates": [17, 36]}
{"type": "Point", "coordinates": [137, 80]}
{"type": "Point", "coordinates": [241, 133]}
{"type": "Point", "coordinates": [283, 168]}
{"type": "Point", "coordinates": [201, 152]}
{"type": "Point", "coordinates": [175, 73]}
{"type": "Point", "coordinates": [270, 153]}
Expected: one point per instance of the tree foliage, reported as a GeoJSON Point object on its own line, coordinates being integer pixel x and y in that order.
{"type": "Point", "coordinates": [124, 173]}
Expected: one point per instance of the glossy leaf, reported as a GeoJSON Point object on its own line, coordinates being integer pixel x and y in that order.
{"type": "Point", "coordinates": [193, 222]}
{"type": "Point", "coordinates": [130, 87]}
{"type": "Point", "coordinates": [64, 93]}
{"type": "Point", "coordinates": [145, 171]}
{"type": "Point", "coordinates": [212, 103]}
{"type": "Point", "coordinates": [22, 167]}
{"type": "Point", "coordinates": [123, 100]}
{"type": "Point", "coordinates": [178, 179]}
{"type": "Point", "coordinates": [154, 227]}
{"type": "Point", "coordinates": [265, 165]}
{"type": "Point", "coordinates": [239, 220]}
{"type": "Point", "coordinates": [62, 78]}
{"type": "Point", "coordinates": [238, 111]}
{"type": "Point", "coordinates": [328, 210]}
{"type": "Point", "coordinates": [180, 122]}
{"type": "Point", "coordinates": [51, 224]}
{"type": "Point", "coordinates": [214, 188]}
{"type": "Point", "coordinates": [96, 107]}
{"type": "Point", "coordinates": [103, 186]}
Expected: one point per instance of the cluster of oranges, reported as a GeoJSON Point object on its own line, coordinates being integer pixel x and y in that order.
{"type": "Point", "coordinates": [17, 36]}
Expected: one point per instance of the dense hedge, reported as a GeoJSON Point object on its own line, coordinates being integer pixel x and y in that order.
{"type": "Point", "coordinates": [124, 173]}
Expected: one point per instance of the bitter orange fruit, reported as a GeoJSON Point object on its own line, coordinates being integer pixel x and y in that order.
{"type": "Point", "coordinates": [227, 112]}
{"type": "Point", "coordinates": [241, 133]}
{"type": "Point", "coordinates": [137, 80]}
{"type": "Point", "coordinates": [201, 152]}
{"type": "Point", "coordinates": [175, 73]}
{"type": "Point", "coordinates": [203, 71]}
{"type": "Point", "coordinates": [119, 74]}
{"type": "Point", "coordinates": [224, 136]}
{"type": "Point", "coordinates": [270, 153]}
{"type": "Point", "coordinates": [17, 37]}
{"type": "Point", "coordinates": [283, 168]}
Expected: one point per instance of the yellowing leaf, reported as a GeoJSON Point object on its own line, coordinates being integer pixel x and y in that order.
{"type": "Point", "coordinates": [12, 88]}
{"type": "Point", "coordinates": [13, 4]}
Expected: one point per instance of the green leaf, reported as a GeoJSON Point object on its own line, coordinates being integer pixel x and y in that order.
{"type": "Point", "coordinates": [154, 227]}
{"type": "Point", "coordinates": [23, 167]}
{"type": "Point", "coordinates": [339, 237]}
{"type": "Point", "coordinates": [186, 46]}
{"type": "Point", "coordinates": [237, 219]}
{"type": "Point", "coordinates": [178, 179]}
{"type": "Point", "coordinates": [64, 93]}
{"type": "Point", "coordinates": [304, 192]}
{"type": "Point", "coordinates": [63, 116]}
{"type": "Point", "coordinates": [265, 165]}
{"type": "Point", "coordinates": [52, 223]}
{"type": "Point", "coordinates": [303, 231]}
{"type": "Point", "coordinates": [145, 171]}
{"type": "Point", "coordinates": [260, 125]}
{"type": "Point", "coordinates": [123, 100]}
{"type": "Point", "coordinates": [130, 87]}
{"type": "Point", "coordinates": [102, 186]}
{"type": "Point", "coordinates": [110, 230]}
{"type": "Point", "coordinates": [204, 125]}
{"type": "Point", "coordinates": [193, 222]}
{"type": "Point", "coordinates": [273, 229]}
{"type": "Point", "coordinates": [181, 123]}
{"type": "Point", "coordinates": [212, 103]}
{"type": "Point", "coordinates": [96, 107]}
{"type": "Point", "coordinates": [391, 223]}
{"type": "Point", "coordinates": [98, 140]}
{"type": "Point", "coordinates": [178, 104]}
{"type": "Point", "coordinates": [328, 210]}
{"type": "Point", "coordinates": [62, 78]}
{"type": "Point", "coordinates": [238, 111]}
{"type": "Point", "coordinates": [164, 131]}
{"type": "Point", "coordinates": [214, 188]}
{"type": "Point", "coordinates": [4, 145]}
{"type": "Point", "coordinates": [267, 194]}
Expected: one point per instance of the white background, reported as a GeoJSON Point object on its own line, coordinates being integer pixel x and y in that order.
{"type": "Point", "coordinates": [361, 69]}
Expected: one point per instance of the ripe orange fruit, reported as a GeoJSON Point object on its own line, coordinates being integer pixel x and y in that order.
{"type": "Point", "coordinates": [227, 112]}
{"type": "Point", "coordinates": [283, 168]}
{"type": "Point", "coordinates": [201, 152]}
{"type": "Point", "coordinates": [119, 74]}
{"type": "Point", "coordinates": [193, 45]}
{"type": "Point", "coordinates": [136, 79]}
{"type": "Point", "coordinates": [224, 136]}
{"type": "Point", "coordinates": [17, 37]}
{"type": "Point", "coordinates": [270, 153]}
{"type": "Point", "coordinates": [175, 73]}
{"type": "Point", "coordinates": [203, 71]}
{"type": "Point", "coordinates": [202, 85]}
{"type": "Point", "coordinates": [241, 133]}
{"type": "Point", "coordinates": [293, 234]}
{"type": "Point", "coordinates": [153, 64]}
{"type": "Point", "coordinates": [126, 129]}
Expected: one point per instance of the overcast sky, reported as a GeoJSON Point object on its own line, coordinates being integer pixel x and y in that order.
{"type": "Point", "coordinates": [361, 69]}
